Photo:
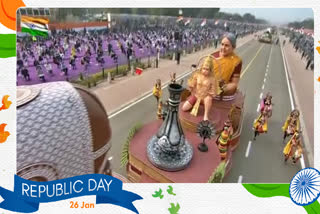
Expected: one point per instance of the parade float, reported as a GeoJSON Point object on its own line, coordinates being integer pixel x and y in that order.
{"type": "Point", "coordinates": [182, 147]}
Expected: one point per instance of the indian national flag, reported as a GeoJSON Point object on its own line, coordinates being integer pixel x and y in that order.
{"type": "Point", "coordinates": [34, 26]}
{"type": "Point", "coordinates": [204, 22]}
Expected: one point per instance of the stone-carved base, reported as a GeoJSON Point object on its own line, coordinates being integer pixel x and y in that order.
{"type": "Point", "coordinates": [169, 162]}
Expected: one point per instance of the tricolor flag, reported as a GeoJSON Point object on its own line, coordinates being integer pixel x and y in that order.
{"type": "Point", "coordinates": [34, 26]}
{"type": "Point", "coordinates": [204, 22]}
{"type": "Point", "coordinates": [180, 18]}
{"type": "Point", "coordinates": [187, 22]}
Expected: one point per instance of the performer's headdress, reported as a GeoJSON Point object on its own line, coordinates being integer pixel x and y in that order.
{"type": "Point", "coordinates": [268, 95]}
{"type": "Point", "coordinates": [227, 123]}
{"type": "Point", "coordinates": [158, 82]}
{"type": "Point", "coordinates": [208, 62]}
{"type": "Point", "coordinates": [295, 111]}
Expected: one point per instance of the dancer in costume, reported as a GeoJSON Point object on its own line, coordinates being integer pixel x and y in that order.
{"type": "Point", "coordinates": [203, 87]}
{"type": "Point", "coordinates": [157, 90]}
{"type": "Point", "coordinates": [292, 124]}
{"type": "Point", "coordinates": [260, 125]}
{"type": "Point", "coordinates": [266, 105]}
{"type": "Point", "coordinates": [293, 148]}
{"type": "Point", "coordinates": [224, 139]}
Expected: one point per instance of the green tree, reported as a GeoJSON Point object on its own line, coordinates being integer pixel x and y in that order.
{"type": "Point", "coordinates": [307, 23]}
{"type": "Point", "coordinates": [247, 17]}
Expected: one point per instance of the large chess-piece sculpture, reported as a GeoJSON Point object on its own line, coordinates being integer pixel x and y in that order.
{"type": "Point", "coordinates": [168, 149]}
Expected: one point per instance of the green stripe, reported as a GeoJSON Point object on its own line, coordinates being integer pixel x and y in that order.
{"type": "Point", "coordinates": [313, 208]}
{"type": "Point", "coordinates": [34, 32]}
{"type": "Point", "coordinates": [271, 190]}
{"type": "Point", "coordinates": [34, 26]}
{"type": "Point", "coordinates": [7, 45]}
{"type": "Point", "coordinates": [5, 53]}
{"type": "Point", "coordinates": [7, 41]}
{"type": "Point", "coordinates": [268, 190]}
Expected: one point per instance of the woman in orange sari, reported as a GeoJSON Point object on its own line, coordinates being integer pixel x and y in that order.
{"type": "Point", "coordinates": [228, 66]}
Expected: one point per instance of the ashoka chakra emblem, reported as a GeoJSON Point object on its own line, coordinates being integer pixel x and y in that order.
{"type": "Point", "coordinates": [305, 187]}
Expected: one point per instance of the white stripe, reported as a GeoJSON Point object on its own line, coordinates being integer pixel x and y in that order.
{"type": "Point", "coordinates": [269, 57]}
{"type": "Point", "coordinates": [35, 28]}
{"type": "Point", "coordinates": [290, 95]}
{"type": "Point", "coordinates": [258, 108]}
{"type": "Point", "coordinates": [261, 95]}
{"type": "Point", "coordinates": [240, 179]}
{"type": "Point", "coordinates": [303, 165]}
{"type": "Point", "coordinates": [264, 80]}
{"type": "Point", "coordinates": [262, 86]}
{"type": "Point", "coordinates": [248, 149]}
{"type": "Point", "coordinates": [4, 29]}
{"type": "Point", "coordinates": [37, 25]}
{"type": "Point", "coordinates": [287, 77]}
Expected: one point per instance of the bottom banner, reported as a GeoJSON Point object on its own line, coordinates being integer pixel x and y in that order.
{"type": "Point", "coordinates": [27, 195]}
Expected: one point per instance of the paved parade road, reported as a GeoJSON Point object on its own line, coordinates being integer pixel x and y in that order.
{"type": "Point", "coordinates": [257, 161]}
{"type": "Point", "coordinates": [262, 160]}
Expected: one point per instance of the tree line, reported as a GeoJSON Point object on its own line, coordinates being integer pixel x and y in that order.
{"type": "Point", "coordinates": [307, 24]}
{"type": "Point", "coordinates": [209, 13]}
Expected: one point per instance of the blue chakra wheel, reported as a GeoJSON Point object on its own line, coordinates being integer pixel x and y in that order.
{"type": "Point", "coordinates": [305, 187]}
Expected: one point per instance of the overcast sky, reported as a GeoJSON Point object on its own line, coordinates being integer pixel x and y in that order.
{"type": "Point", "coordinates": [273, 15]}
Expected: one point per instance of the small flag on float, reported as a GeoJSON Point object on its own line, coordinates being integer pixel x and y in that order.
{"type": "Point", "coordinates": [187, 22]}
{"type": "Point", "coordinates": [204, 22]}
{"type": "Point", "coordinates": [180, 18]}
{"type": "Point", "coordinates": [139, 71]}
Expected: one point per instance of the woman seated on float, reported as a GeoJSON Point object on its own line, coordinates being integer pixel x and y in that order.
{"type": "Point", "coordinates": [228, 66]}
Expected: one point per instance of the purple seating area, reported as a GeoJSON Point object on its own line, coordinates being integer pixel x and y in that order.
{"type": "Point", "coordinates": [144, 43]}
{"type": "Point", "coordinates": [94, 66]}
{"type": "Point", "coordinates": [58, 75]}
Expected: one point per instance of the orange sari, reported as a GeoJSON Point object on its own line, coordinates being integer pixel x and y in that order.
{"type": "Point", "coordinates": [226, 67]}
